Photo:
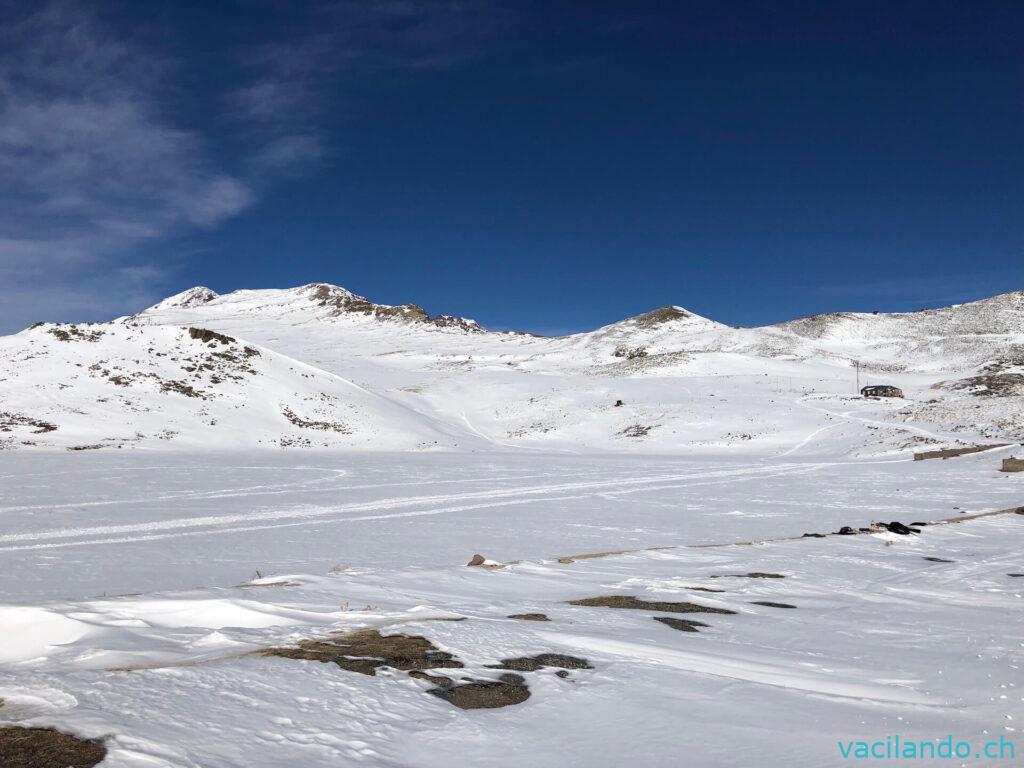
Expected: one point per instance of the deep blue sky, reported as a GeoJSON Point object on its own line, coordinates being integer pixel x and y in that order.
{"type": "Point", "coordinates": [551, 165]}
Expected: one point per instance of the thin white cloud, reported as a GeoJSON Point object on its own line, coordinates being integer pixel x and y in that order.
{"type": "Point", "coordinates": [92, 167]}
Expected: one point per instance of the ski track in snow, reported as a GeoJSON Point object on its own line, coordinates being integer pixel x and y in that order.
{"type": "Point", "coordinates": [181, 526]}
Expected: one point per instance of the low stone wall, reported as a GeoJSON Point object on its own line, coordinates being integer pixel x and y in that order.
{"type": "Point", "coordinates": [948, 453]}
{"type": "Point", "coordinates": [1013, 465]}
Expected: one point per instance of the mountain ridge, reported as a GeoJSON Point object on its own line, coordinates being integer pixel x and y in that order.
{"type": "Point", "coordinates": [329, 369]}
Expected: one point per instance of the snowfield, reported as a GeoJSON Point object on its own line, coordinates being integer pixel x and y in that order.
{"type": "Point", "coordinates": [197, 524]}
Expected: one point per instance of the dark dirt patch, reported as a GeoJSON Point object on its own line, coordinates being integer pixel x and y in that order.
{"type": "Point", "coordinates": [541, 660]}
{"type": "Point", "coordinates": [770, 604]}
{"type": "Point", "coordinates": [628, 601]}
{"type": "Point", "coordinates": [530, 616]}
{"type": "Point", "coordinates": [752, 575]}
{"type": "Point", "coordinates": [938, 560]}
{"type": "Point", "coordinates": [704, 589]}
{"type": "Point", "coordinates": [509, 689]}
{"type": "Point", "coordinates": [683, 625]}
{"type": "Point", "coordinates": [47, 748]}
{"type": "Point", "coordinates": [368, 650]}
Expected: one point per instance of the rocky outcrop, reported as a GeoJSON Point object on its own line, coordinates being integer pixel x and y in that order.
{"type": "Point", "coordinates": [342, 301]}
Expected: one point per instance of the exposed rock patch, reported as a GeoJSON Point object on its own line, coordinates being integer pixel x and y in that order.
{"type": "Point", "coordinates": [74, 333]}
{"type": "Point", "coordinates": [530, 616]}
{"type": "Point", "coordinates": [661, 315]}
{"type": "Point", "coordinates": [207, 337]}
{"type": "Point", "coordinates": [47, 748]}
{"type": "Point", "coordinates": [506, 691]}
{"type": "Point", "coordinates": [683, 625]}
{"type": "Point", "coordinates": [368, 650]}
{"type": "Point", "coordinates": [988, 385]}
{"type": "Point", "coordinates": [752, 575]}
{"type": "Point", "coordinates": [326, 426]}
{"type": "Point", "coordinates": [8, 421]}
{"type": "Point", "coordinates": [342, 302]}
{"type": "Point", "coordinates": [542, 660]}
{"type": "Point", "coordinates": [630, 602]}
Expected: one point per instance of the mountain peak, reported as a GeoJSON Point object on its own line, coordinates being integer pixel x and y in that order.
{"type": "Point", "coordinates": [193, 297]}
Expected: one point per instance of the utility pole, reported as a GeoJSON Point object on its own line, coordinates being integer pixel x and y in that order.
{"type": "Point", "coordinates": [857, 364]}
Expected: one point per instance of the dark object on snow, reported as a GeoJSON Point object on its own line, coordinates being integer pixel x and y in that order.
{"type": "Point", "coordinates": [628, 601]}
{"type": "Point", "coordinates": [938, 560]}
{"type": "Point", "coordinates": [533, 663]}
{"type": "Point", "coordinates": [1015, 575]}
{"type": "Point", "coordinates": [683, 625]}
{"type": "Point", "coordinates": [881, 390]}
{"type": "Point", "coordinates": [509, 689]}
{"type": "Point", "coordinates": [476, 560]}
{"type": "Point", "coordinates": [47, 748]}
{"type": "Point", "coordinates": [530, 616]}
{"type": "Point", "coordinates": [770, 604]}
{"type": "Point", "coordinates": [918, 525]}
{"type": "Point", "coordinates": [847, 531]}
{"type": "Point", "coordinates": [367, 650]}
{"type": "Point", "coordinates": [950, 453]}
{"type": "Point", "coordinates": [204, 336]}
{"type": "Point", "coordinates": [813, 536]}
{"type": "Point", "coordinates": [897, 527]}
{"type": "Point", "coordinates": [619, 403]}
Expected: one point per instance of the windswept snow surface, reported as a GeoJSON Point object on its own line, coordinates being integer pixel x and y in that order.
{"type": "Point", "coordinates": [141, 584]}
{"type": "Point", "coordinates": [185, 488]}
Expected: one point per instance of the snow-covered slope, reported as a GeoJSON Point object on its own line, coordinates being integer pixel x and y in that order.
{"type": "Point", "coordinates": [123, 384]}
{"type": "Point", "coordinates": [397, 377]}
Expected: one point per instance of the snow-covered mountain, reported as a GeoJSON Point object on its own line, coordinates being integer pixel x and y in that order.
{"type": "Point", "coordinates": [319, 366]}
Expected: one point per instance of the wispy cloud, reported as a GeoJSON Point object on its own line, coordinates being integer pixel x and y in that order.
{"type": "Point", "coordinates": [289, 87]}
{"type": "Point", "coordinates": [102, 170]}
{"type": "Point", "coordinates": [92, 166]}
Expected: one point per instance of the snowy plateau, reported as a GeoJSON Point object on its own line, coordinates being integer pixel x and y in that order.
{"type": "Point", "coordinates": [236, 533]}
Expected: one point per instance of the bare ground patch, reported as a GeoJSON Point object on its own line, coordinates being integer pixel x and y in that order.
{"type": "Point", "coordinates": [542, 660]}
{"type": "Point", "coordinates": [506, 691]}
{"type": "Point", "coordinates": [368, 650]}
{"type": "Point", "coordinates": [751, 575]}
{"type": "Point", "coordinates": [683, 625]}
{"type": "Point", "coordinates": [47, 748]}
{"type": "Point", "coordinates": [633, 603]}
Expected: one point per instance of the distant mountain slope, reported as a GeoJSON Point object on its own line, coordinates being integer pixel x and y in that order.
{"type": "Point", "coordinates": [122, 384]}
{"type": "Point", "coordinates": [318, 301]}
{"type": "Point", "coordinates": [329, 368]}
